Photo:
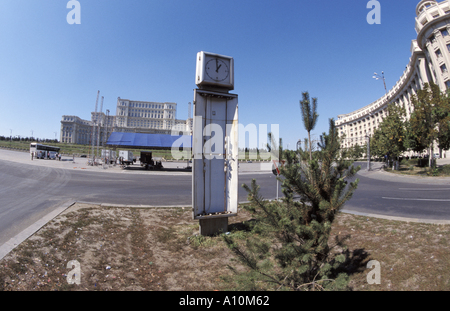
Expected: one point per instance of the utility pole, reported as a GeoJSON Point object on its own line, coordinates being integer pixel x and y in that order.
{"type": "Point", "coordinates": [98, 125]}
{"type": "Point", "coordinates": [106, 128]}
{"type": "Point", "coordinates": [93, 128]}
{"type": "Point", "coordinates": [368, 152]}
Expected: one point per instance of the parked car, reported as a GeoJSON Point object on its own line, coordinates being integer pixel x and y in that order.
{"type": "Point", "coordinates": [437, 156]}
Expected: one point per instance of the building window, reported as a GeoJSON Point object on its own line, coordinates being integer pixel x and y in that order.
{"type": "Point", "coordinates": [444, 32]}
{"type": "Point", "coordinates": [443, 68]}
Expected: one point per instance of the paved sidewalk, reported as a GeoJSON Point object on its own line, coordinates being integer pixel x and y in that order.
{"type": "Point", "coordinates": [380, 174]}
{"type": "Point", "coordinates": [82, 163]}
{"type": "Point", "coordinates": [173, 167]}
{"type": "Point", "coordinates": [263, 167]}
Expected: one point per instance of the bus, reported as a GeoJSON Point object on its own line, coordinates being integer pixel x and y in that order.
{"type": "Point", "coordinates": [43, 152]}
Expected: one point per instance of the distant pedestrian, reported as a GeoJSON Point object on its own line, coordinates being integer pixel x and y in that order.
{"type": "Point", "coordinates": [32, 154]}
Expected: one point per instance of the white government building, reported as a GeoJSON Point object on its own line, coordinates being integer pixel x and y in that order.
{"type": "Point", "coordinates": [132, 116]}
{"type": "Point", "coordinates": [429, 63]}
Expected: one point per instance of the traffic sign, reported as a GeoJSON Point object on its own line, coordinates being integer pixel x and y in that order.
{"type": "Point", "coordinates": [276, 166]}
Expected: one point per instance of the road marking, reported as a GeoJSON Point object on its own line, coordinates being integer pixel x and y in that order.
{"type": "Point", "coordinates": [408, 199]}
{"type": "Point", "coordinates": [415, 189]}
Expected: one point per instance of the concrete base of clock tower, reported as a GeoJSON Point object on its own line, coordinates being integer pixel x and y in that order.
{"type": "Point", "coordinates": [209, 227]}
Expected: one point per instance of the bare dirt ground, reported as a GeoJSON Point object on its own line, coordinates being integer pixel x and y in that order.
{"type": "Point", "coordinates": [130, 249]}
{"type": "Point", "coordinates": [118, 249]}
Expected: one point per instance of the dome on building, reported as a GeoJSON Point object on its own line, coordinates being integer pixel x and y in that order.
{"type": "Point", "coordinates": [423, 5]}
{"type": "Point", "coordinates": [429, 63]}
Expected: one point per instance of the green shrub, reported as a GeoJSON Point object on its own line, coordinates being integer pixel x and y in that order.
{"type": "Point", "coordinates": [289, 248]}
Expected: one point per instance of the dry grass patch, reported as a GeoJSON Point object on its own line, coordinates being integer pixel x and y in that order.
{"type": "Point", "coordinates": [160, 249]}
{"type": "Point", "coordinates": [413, 256]}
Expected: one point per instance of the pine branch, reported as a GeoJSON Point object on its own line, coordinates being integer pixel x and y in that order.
{"type": "Point", "coordinates": [314, 283]}
{"type": "Point", "coordinates": [301, 230]}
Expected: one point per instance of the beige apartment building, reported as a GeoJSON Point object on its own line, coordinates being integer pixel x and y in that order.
{"type": "Point", "coordinates": [132, 116]}
{"type": "Point", "coordinates": [429, 63]}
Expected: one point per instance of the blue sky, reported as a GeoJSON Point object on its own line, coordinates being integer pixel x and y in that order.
{"type": "Point", "coordinates": [146, 50]}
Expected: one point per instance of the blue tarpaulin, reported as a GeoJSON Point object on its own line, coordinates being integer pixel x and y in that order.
{"type": "Point", "coordinates": [141, 140]}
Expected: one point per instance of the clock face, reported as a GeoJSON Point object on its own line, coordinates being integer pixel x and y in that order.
{"type": "Point", "coordinates": [217, 69]}
{"type": "Point", "coordinates": [214, 71]}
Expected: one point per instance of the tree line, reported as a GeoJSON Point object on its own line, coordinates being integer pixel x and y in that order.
{"type": "Point", "coordinates": [428, 124]}
{"type": "Point", "coordinates": [31, 139]}
{"type": "Point", "coordinates": [289, 244]}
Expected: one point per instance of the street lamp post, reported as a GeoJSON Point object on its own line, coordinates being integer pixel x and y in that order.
{"type": "Point", "coordinates": [368, 152]}
{"type": "Point", "coordinates": [377, 77]}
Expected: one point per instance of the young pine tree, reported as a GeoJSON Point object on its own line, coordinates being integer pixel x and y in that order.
{"type": "Point", "coordinates": [289, 248]}
{"type": "Point", "coordinates": [309, 116]}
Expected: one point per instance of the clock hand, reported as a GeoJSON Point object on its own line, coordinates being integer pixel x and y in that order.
{"type": "Point", "coordinates": [217, 70]}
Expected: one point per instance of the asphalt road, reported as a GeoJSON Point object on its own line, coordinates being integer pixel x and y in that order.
{"type": "Point", "coordinates": [401, 196]}
{"type": "Point", "coordinates": [28, 193]}
{"type": "Point", "coordinates": [30, 190]}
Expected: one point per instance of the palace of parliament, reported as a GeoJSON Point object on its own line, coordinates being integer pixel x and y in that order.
{"type": "Point", "coordinates": [131, 117]}
{"type": "Point", "coordinates": [429, 63]}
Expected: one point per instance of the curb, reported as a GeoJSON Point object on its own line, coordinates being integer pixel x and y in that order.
{"type": "Point", "coordinates": [397, 218]}
{"type": "Point", "coordinates": [6, 248]}
{"type": "Point", "coordinates": [133, 206]}
{"type": "Point", "coordinates": [25, 234]}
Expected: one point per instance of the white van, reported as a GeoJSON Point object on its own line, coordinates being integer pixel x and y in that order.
{"type": "Point", "coordinates": [52, 155]}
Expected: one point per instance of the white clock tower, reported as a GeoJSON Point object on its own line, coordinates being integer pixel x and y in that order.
{"type": "Point", "coordinates": [214, 144]}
